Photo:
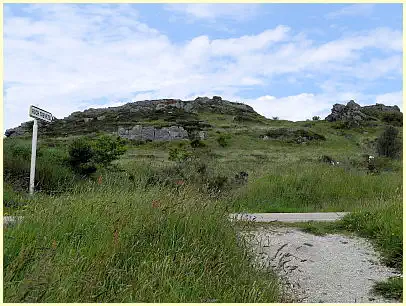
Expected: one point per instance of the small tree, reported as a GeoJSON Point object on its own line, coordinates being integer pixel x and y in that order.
{"type": "Point", "coordinates": [85, 155]}
{"type": "Point", "coordinates": [388, 144]}
{"type": "Point", "coordinates": [107, 149]}
{"type": "Point", "coordinates": [315, 118]}
{"type": "Point", "coordinates": [81, 156]}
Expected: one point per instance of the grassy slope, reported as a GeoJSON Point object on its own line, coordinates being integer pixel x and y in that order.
{"type": "Point", "coordinates": [114, 243]}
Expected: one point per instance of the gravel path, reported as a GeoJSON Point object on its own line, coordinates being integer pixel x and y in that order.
{"type": "Point", "coordinates": [320, 269]}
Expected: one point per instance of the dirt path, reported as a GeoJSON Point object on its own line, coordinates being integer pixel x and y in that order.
{"type": "Point", "coordinates": [315, 269]}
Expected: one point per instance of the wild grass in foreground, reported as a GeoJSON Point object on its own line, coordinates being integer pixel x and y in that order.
{"type": "Point", "coordinates": [392, 288]}
{"type": "Point", "coordinates": [309, 187]}
{"type": "Point", "coordinates": [127, 245]}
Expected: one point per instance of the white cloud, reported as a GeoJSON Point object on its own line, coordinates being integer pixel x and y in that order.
{"type": "Point", "coordinates": [107, 53]}
{"type": "Point", "coordinates": [211, 11]}
{"type": "Point", "coordinates": [353, 10]}
{"type": "Point", "coordinates": [306, 105]}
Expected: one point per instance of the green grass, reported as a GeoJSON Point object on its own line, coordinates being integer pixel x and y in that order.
{"type": "Point", "coordinates": [307, 187]}
{"type": "Point", "coordinates": [391, 288]}
{"type": "Point", "coordinates": [130, 239]}
{"type": "Point", "coordinates": [123, 245]}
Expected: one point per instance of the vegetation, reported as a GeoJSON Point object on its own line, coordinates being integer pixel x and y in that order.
{"type": "Point", "coordinates": [136, 221]}
{"type": "Point", "coordinates": [388, 143]}
{"type": "Point", "coordinates": [223, 140]}
{"type": "Point", "coordinates": [391, 288]}
{"type": "Point", "coordinates": [85, 155]}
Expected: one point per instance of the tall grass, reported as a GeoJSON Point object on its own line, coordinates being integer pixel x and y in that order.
{"type": "Point", "coordinates": [115, 245]}
{"type": "Point", "coordinates": [50, 172]}
{"type": "Point", "coordinates": [383, 224]}
{"type": "Point", "coordinates": [309, 187]}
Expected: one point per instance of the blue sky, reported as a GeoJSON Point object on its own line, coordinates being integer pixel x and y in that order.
{"type": "Point", "coordinates": [293, 61]}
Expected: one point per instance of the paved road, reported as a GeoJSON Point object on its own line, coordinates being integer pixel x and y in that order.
{"type": "Point", "coordinates": [289, 217]}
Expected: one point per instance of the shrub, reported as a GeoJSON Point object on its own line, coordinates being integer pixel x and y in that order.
{"type": "Point", "coordinates": [298, 136]}
{"type": "Point", "coordinates": [275, 118]}
{"type": "Point", "coordinates": [389, 144]}
{"type": "Point", "coordinates": [326, 159]}
{"type": "Point", "coordinates": [85, 155]}
{"type": "Point", "coordinates": [315, 118]}
{"type": "Point", "coordinates": [178, 154]}
{"type": "Point", "coordinates": [393, 118]}
{"type": "Point", "coordinates": [217, 183]}
{"type": "Point", "coordinates": [197, 143]}
{"type": "Point", "coordinates": [223, 140]}
{"type": "Point", "coordinates": [51, 173]}
{"type": "Point", "coordinates": [81, 156]}
{"type": "Point", "coordinates": [107, 149]}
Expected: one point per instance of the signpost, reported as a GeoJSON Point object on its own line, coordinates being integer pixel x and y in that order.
{"type": "Point", "coordinates": [36, 113]}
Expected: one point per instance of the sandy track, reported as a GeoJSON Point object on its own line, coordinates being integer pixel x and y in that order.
{"type": "Point", "coordinates": [316, 269]}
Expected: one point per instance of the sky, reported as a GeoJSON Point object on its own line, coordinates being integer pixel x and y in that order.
{"type": "Point", "coordinates": [292, 61]}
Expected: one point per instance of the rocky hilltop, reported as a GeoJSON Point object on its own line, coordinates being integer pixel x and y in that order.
{"type": "Point", "coordinates": [354, 114]}
{"type": "Point", "coordinates": [164, 119]}
{"type": "Point", "coordinates": [170, 119]}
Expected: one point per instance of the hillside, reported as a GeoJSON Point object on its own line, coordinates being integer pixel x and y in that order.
{"type": "Point", "coordinates": [150, 224]}
{"type": "Point", "coordinates": [185, 117]}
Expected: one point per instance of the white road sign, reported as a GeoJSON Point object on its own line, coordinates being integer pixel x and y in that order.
{"type": "Point", "coordinates": [40, 114]}
{"type": "Point", "coordinates": [36, 113]}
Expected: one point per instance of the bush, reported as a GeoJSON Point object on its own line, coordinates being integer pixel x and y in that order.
{"type": "Point", "coordinates": [51, 173]}
{"type": "Point", "coordinates": [326, 159]}
{"type": "Point", "coordinates": [85, 155]}
{"type": "Point", "coordinates": [197, 143]}
{"type": "Point", "coordinates": [107, 149]}
{"type": "Point", "coordinates": [315, 118]}
{"type": "Point", "coordinates": [389, 144]}
{"type": "Point", "coordinates": [81, 156]}
{"type": "Point", "coordinates": [291, 135]}
{"type": "Point", "coordinates": [217, 183]}
{"type": "Point", "coordinates": [223, 140]}
{"type": "Point", "coordinates": [178, 154]}
{"type": "Point", "coordinates": [393, 118]}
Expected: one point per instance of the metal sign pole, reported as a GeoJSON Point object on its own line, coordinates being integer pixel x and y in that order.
{"type": "Point", "coordinates": [33, 155]}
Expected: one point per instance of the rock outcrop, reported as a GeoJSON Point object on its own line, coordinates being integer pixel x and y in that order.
{"type": "Point", "coordinates": [350, 112]}
{"type": "Point", "coordinates": [353, 113]}
{"type": "Point", "coordinates": [150, 119]}
{"type": "Point", "coordinates": [139, 132]}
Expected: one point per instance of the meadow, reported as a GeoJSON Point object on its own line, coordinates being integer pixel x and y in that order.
{"type": "Point", "coordinates": [152, 226]}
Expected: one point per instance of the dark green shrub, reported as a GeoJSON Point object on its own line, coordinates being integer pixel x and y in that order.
{"type": "Point", "coordinates": [291, 135]}
{"type": "Point", "coordinates": [81, 156]}
{"type": "Point", "coordinates": [393, 118]}
{"type": "Point", "coordinates": [51, 172]}
{"type": "Point", "coordinates": [178, 154]}
{"type": "Point", "coordinates": [217, 183]}
{"type": "Point", "coordinates": [315, 118]}
{"type": "Point", "coordinates": [389, 144]}
{"type": "Point", "coordinates": [223, 140]}
{"type": "Point", "coordinates": [326, 159]}
{"type": "Point", "coordinates": [85, 155]}
{"type": "Point", "coordinates": [107, 149]}
{"type": "Point", "coordinates": [197, 143]}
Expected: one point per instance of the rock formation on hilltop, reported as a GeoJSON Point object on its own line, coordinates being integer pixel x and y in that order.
{"type": "Point", "coordinates": [163, 119]}
{"type": "Point", "coordinates": [355, 114]}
